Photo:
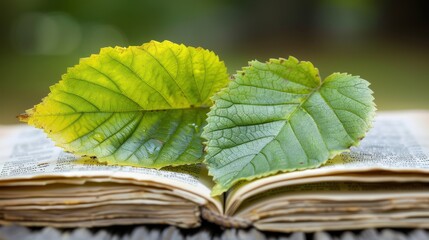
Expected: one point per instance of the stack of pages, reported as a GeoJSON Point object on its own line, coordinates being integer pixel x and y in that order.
{"type": "Point", "coordinates": [382, 183]}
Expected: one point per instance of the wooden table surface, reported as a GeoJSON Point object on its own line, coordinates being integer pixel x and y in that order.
{"type": "Point", "coordinates": [204, 232]}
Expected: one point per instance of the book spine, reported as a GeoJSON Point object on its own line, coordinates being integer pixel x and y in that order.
{"type": "Point", "coordinates": [225, 221]}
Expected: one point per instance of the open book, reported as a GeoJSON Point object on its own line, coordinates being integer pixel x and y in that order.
{"type": "Point", "coordinates": [382, 183]}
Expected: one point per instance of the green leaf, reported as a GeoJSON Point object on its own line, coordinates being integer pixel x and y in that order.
{"type": "Point", "coordinates": [279, 116]}
{"type": "Point", "coordinates": [142, 105]}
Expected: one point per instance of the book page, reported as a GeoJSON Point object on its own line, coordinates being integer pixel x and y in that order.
{"type": "Point", "coordinates": [333, 192]}
{"type": "Point", "coordinates": [338, 201]}
{"type": "Point", "coordinates": [26, 153]}
{"type": "Point", "coordinates": [398, 142]}
{"type": "Point", "coordinates": [329, 203]}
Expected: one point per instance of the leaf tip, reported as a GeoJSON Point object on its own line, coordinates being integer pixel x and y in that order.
{"type": "Point", "coordinates": [24, 117]}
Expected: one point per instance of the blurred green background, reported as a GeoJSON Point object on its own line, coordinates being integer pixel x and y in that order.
{"type": "Point", "coordinates": [385, 42]}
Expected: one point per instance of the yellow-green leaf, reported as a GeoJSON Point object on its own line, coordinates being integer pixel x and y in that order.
{"type": "Point", "coordinates": [142, 105]}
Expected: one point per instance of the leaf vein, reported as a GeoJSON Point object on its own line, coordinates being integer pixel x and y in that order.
{"type": "Point", "coordinates": [193, 76]}
{"type": "Point", "coordinates": [272, 89]}
{"type": "Point", "coordinates": [299, 141]}
{"type": "Point", "coordinates": [106, 88]}
{"type": "Point", "coordinates": [70, 124]}
{"type": "Point", "coordinates": [168, 73]}
{"type": "Point", "coordinates": [108, 77]}
{"type": "Point", "coordinates": [317, 125]}
{"type": "Point", "coordinates": [169, 136]}
{"type": "Point", "coordinates": [65, 104]}
{"type": "Point", "coordinates": [113, 134]}
{"type": "Point", "coordinates": [135, 127]}
{"type": "Point", "coordinates": [366, 105]}
{"type": "Point", "coordinates": [140, 78]}
{"type": "Point", "coordinates": [336, 115]}
{"type": "Point", "coordinates": [89, 132]}
{"type": "Point", "coordinates": [75, 95]}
